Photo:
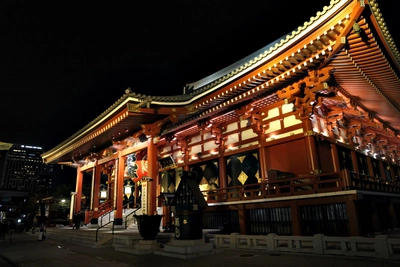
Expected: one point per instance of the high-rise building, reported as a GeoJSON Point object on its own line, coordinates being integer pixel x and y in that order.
{"type": "Point", "coordinates": [21, 168]}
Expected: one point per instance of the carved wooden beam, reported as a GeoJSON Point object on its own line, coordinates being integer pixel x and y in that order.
{"type": "Point", "coordinates": [152, 129]}
{"type": "Point", "coordinates": [216, 132]}
{"type": "Point", "coordinates": [289, 92]}
{"type": "Point", "coordinates": [183, 144]}
{"type": "Point", "coordinates": [249, 113]}
{"type": "Point", "coordinates": [245, 112]}
{"type": "Point", "coordinates": [310, 92]}
{"type": "Point", "coordinates": [256, 123]}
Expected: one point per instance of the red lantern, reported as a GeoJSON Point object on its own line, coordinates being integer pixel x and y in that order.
{"type": "Point", "coordinates": [141, 161]}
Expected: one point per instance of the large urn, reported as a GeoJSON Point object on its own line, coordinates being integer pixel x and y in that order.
{"type": "Point", "coordinates": [148, 225]}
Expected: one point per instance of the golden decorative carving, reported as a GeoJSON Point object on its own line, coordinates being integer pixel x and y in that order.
{"type": "Point", "coordinates": [134, 107]}
{"type": "Point", "coordinates": [152, 129]}
{"type": "Point", "coordinates": [242, 177]}
{"type": "Point", "coordinates": [191, 109]}
{"type": "Point", "coordinates": [308, 133]}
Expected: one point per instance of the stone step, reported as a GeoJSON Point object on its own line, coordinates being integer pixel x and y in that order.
{"type": "Point", "coordinates": [123, 240]}
{"type": "Point", "coordinates": [82, 237]}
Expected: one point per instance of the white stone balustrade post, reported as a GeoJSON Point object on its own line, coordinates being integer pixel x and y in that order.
{"type": "Point", "coordinates": [271, 242]}
{"type": "Point", "coordinates": [318, 244]}
{"type": "Point", "coordinates": [234, 240]}
{"type": "Point", "coordinates": [381, 246]}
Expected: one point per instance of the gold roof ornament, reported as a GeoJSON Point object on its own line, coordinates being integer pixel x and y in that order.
{"type": "Point", "coordinates": [5, 146]}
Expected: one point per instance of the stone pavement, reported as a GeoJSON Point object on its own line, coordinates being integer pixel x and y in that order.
{"type": "Point", "coordinates": [26, 251]}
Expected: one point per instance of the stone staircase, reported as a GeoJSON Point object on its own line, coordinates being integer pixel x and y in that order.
{"type": "Point", "coordinates": [83, 237]}
{"type": "Point", "coordinates": [127, 218]}
{"type": "Point", "coordinates": [124, 238]}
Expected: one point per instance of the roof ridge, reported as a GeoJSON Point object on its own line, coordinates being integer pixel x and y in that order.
{"type": "Point", "coordinates": [249, 61]}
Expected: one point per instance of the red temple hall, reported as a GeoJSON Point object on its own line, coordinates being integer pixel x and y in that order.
{"type": "Point", "coordinates": [299, 138]}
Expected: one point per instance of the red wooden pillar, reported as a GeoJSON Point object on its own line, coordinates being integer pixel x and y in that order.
{"type": "Point", "coordinates": [335, 158]}
{"type": "Point", "coordinates": [392, 174]}
{"type": "Point", "coordinates": [223, 181]}
{"type": "Point", "coordinates": [262, 152]}
{"type": "Point", "coordinates": [355, 162]}
{"type": "Point", "coordinates": [153, 174]}
{"type": "Point", "coordinates": [263, 163]}
{"type": "Point", "coordinates": [311, 147]}
{"type": "Point", "coordinates": [336, 167]}
{"type": "Point", "coordinates": [296, 227]}
{"type": "Point", "coordinates": [78, 190]}
{"type": "Point", "coordinates": [119, 193]}
{"type": "Point", "coordinates": [186, 161]}
{"type": "Point", "coordinates": [382, 174]}
{"type": "Point", "coordinates": [370, 168]}
{"type": "Point", "coordinates": [352, 213]}
{"type": "Point", "coordinates": [95, 199]}
{"type": "Point", "coordinates": [242, 219]}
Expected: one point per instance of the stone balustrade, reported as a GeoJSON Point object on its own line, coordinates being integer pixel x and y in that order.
{"type": "Point", "coordinates": [380, 246]}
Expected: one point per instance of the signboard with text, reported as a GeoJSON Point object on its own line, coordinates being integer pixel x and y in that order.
{"type": "Point", "coordinates": [144, 197]}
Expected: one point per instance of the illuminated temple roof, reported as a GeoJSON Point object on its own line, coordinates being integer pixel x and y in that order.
{"type": "Point", "coordinates": [5, 146]}
{"type": "Point", "coordinates": [351, 39]}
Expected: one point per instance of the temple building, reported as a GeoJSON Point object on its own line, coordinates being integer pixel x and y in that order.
{"type": "Point", "coordinates": [299, 138]}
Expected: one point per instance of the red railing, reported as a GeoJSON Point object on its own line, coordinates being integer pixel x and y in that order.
{"type": "Point", "coordinates": [321, 183]}
{"type": "Point", "coordinates": [312, 184]}
{"type": "Point", "coordinates": [105, 207]}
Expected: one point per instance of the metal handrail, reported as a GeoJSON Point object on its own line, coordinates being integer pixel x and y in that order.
{"type": "Point", "coordinates": [98, 228]}
{"type": "Point", "coordinates": [126, 217]}
{"type": "Point", "coordinates": [104, 215]}
{"type": "Point", "coordinates": [127, 205]}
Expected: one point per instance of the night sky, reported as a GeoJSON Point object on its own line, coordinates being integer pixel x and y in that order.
{"type": "Point", "coordinates": [62, 63]}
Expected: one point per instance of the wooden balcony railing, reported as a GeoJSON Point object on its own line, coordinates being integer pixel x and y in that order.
{"type": "Point", "coordinates": [321, 183]}
{"type": "Point", "coordinates": [366, 182]}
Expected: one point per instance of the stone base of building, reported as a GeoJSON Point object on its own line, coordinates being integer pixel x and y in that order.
{"type": "Point", "coordinates": [187, 249]}
{"type": "Point", "coordinates": [146, 247]}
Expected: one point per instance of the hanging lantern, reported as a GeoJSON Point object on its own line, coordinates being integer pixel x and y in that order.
{"type": "Point", "coordinates": [128, 190]}
{"type": "Point", "coordinates": [103, 192]}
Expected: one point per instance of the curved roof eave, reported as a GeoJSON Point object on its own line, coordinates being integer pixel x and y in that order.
{"type": "Point", "coordinates": [232, 72]}
{"type": "Point", "coordinates": [218, 79]}
{"type": "Point", "coordinates": [117, 106]}
{"type": "Point", "coordinates": [266, 53]}
{"type": "Point", "coordinates": [387, 37]}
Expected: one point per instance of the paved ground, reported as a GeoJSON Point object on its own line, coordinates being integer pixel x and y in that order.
{"type": "Point", "coordinates": [26, 251]}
